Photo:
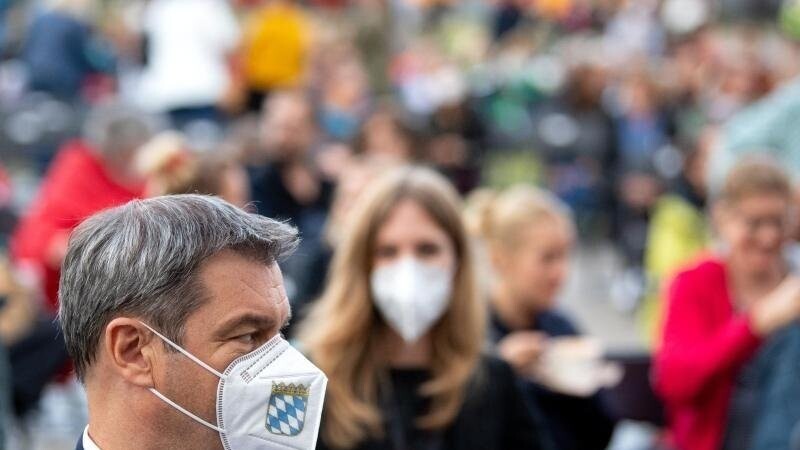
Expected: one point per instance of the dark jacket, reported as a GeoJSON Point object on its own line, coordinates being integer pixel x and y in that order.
{"type": "Point", "coordinates": [494, 416]}
{"type": "Point", "coordinates": [777, 414]}
{"type": "Point", "coordinates": [563, 414]}
{"type": "Point", "coordinates": [60, 52]}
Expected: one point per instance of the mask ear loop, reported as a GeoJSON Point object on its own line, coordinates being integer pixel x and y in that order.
{"type": "Point", "coordinates": [185, 353]}
{"type": "Point", "coordinates": [197, 361]}
{"type": "Point", "coordinates": [185, 411]}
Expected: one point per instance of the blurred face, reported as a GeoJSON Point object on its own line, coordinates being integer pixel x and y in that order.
{"type": "Point", "coordinates": [639, 98]}
{"type": "Point", "coordinates": [246, 307]}
{"type": "Point", "coordinates": [410, 231]}
{"type": "Point", "coordinates": [535, 269]}
{"type": "Point", "coordinates": [122, 167]}
{"type": "Point", "coordinates": [755, 230]}
{"type": "Point", "coordinates": [384, 139]}
{"type": "Point", "coordinates": [287, 128]}
{"type": "Point", "coordinates": [345, 88]}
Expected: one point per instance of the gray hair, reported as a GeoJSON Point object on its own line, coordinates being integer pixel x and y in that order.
{"type": "Point", "coordinates": [142, 260]}
{"type": "Point", "coordinates": [116, 127]}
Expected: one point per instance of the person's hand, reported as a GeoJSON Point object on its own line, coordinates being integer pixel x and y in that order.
{"type": "Point", "coordinates": [522, 349]}
{"type": "Point", "coordinates": [333, 160]}
{"type": "Point", "coordinates": [302, 184]}
{"type": "Point", "coordinates": [778, 308]}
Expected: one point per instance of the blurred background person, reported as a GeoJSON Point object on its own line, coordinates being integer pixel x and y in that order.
{"type": "Point", "coordinates": [30, 350]}
{"type": "Point", "coordinates": [642, 128]}
{"type": "Point", "coordinates": [766, 123]}
{"type": "Point", "coordinates": [344, 101]}
{"type": "Point", "coordinates": [88, 175]}
{"type": "Point", "coordinates": [384, 137]}
{"type": "Point", "coordinates": [599, 102]}
{"type": "Point", "coordinates": [399, 331]}
{"type": "Point", "coordinates": [63, 50]}
{"type": "Point", "coordinates": [580, 148]}
{"type": "Point", "coordinates": [167, 163]}
{"type": "Point", "coordinates": [288, 183]}
{"type": "Point", "coordinates": [224, 177]}
{"type": "Point", "coordinates": [192, 71]}
{"type": "Point", "coordinates": [356, 177]}
{"type": "Point", "coordinates": [276, 46]}
{"type": "Point", "coordinates": [726, 321]}
{"type": "Point", "coordinates": [171, 166]}
{"type": "Point", "coordinates": [678, 230]}
{"type": "Point", "coordinates": [529, 236]}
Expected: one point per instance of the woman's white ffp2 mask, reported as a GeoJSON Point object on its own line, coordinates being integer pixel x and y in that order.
{"type": "Point", "coordinates": [270, 398]}
{"type": "Point", "coordinates": [411, 295]}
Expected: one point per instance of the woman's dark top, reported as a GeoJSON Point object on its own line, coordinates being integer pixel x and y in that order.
{"type": "Point", "coordinates": [494, 415]}
{"type": "Point", "coordinates": [575, 423]}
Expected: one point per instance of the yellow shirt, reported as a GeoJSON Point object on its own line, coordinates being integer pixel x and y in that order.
{"type": "Point", "coordinates": [678, 234]}
{"type": "Point", "coordinates": [276, 45]}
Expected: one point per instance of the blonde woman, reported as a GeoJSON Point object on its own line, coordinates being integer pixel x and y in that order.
{"type": "Point", "coordinates": [529, 236]}
{"type": "Point", "coordinates": [399, 331]}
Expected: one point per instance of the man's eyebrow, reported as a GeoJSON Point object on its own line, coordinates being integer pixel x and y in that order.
{"type": "Point", "coordinates": [255, 320]}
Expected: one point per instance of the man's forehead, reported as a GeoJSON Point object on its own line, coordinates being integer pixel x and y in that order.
{"type": "Point", "coordinates": [236, 286]}
{"type": "Point", "coordinates": [278, 290]}
{"type": "Point", "coordinates": [275, 272]}
{"type": "Point", "coordinates": [233, 276]}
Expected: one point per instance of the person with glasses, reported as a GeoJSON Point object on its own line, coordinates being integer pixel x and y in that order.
{"type": "Point", "coordinates": [730, 318]}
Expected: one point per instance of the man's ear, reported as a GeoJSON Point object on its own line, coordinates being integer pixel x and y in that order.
{"type": "Point", "coordinates": [129, 347]}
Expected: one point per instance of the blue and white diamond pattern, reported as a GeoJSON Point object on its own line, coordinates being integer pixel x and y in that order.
{"type": "Point", "coordinates": [286, 414]}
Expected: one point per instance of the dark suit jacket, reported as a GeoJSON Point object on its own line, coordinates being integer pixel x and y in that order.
{"type": "Point", "coordinates": [80, 443]}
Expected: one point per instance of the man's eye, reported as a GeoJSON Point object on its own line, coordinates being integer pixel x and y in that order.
{"type": "Point", "coordinates": [248, 338]}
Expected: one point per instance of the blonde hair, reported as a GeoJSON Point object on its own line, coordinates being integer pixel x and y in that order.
{"type": "Point", "coordinates": [755, 175]}
{"type": "Point", "coordinates": [167, 163]}
{"type": "Point", "coordinates": [341, 331]}
{"type": "Point", "coordinates": [499, 218]}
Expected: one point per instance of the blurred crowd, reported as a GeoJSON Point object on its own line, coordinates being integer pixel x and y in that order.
{"type": "Point", "coordinates": [667, 128]}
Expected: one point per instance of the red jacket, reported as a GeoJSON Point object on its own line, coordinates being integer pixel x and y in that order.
{"type": "Point", "coordinates": [76, 186]}
{"type": "Point", "coordinates": [705, 344]}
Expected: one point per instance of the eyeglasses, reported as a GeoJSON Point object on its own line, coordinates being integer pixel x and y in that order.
{"type": "Point", "coordinates": [780, 223]}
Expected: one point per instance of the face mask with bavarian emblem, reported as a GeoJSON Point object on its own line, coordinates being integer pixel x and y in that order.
{"type": "Point", "coordinates": [270, 398]}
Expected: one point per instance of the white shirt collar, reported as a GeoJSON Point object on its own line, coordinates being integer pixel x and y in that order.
{"type": "Point", "coordinates": [88, 443]}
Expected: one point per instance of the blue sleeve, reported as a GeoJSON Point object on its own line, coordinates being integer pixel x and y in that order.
{"type": "Point", "coordinates": [779, 409]}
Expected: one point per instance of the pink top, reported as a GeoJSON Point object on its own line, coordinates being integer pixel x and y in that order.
{"type": "Point", "coordinates": [704, 345]}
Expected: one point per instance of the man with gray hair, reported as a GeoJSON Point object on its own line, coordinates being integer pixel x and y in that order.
{"type": "Point", "coordinates": [171, 309]}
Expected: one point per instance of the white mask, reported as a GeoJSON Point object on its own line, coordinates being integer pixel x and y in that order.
{"type": "Point", "coordinates": [270, 398]}
{"type": "Point", "coordinates": [411, 295]}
